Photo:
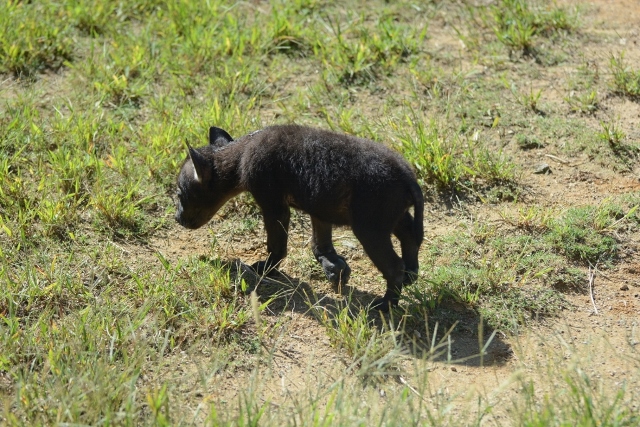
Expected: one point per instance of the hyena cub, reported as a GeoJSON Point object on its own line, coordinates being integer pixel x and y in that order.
{"type": "Point", "coordinates": [337, 179]}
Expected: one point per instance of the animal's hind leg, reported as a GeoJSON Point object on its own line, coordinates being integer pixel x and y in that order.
{"type": "Point", "coordinates": [409, 246]}
{"type": "Point", "coordinates": [377, 245]}
{"type": "Point", "coordinates": [334, 266]}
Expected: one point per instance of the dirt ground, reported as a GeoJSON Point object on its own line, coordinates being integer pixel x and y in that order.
{"type": "Point", "coordinates": [302, 353]}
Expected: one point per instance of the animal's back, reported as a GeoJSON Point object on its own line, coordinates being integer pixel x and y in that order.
{"type": "Point", "coordinates": [321, 171]}
{"type": "Point", "coordinates": [328, 156]}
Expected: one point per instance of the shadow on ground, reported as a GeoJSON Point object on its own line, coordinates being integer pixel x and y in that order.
{"type": "Point", "coordinates": [450, 334]}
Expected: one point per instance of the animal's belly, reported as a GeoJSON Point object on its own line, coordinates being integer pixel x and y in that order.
{"type": "Point", "coordinates": [324, 210]}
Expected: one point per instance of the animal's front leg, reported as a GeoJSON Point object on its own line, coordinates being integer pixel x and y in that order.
{"type": "Point", "coordinates": [334, 266]}
{"type": "Point", "coordinates": [276, 224]}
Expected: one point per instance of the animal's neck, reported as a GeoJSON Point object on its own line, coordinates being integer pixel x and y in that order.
{"type": "Point", "coordinates": [227, 166]}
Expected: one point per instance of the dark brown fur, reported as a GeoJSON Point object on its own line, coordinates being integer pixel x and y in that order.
{"type": "Point", "coordinates": [337, 179]}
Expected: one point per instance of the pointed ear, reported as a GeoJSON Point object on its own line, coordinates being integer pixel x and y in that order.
{"type": "Point", "coordinates": [201, 170]}
{"type": "Point", "coordinates": [218, 137]}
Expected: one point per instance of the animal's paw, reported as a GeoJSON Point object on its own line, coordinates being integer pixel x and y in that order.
{"type": "Point", "coordinates": [262, 268]}
{"type": "Point", "coordinates": [410, 276]}
{"type": "Point", "coordinates": [336, 269]}
{"type": "Point", "coordinates": [384, 304]}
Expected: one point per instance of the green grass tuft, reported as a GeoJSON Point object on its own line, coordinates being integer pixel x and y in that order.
{"type": "Point", "coordinates": [33, 38]}
{"type": "Point", "coordinates": [626, 81]}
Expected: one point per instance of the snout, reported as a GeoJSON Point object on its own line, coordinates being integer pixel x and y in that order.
{"type": "Point", "coordinates": [186, 223]}
{"type": "Point", "coordinates": [192, 215]}
{"type": "Point", "coordinates": [180, 217]}
{"type": "Point", "coordinates": [190, 219]}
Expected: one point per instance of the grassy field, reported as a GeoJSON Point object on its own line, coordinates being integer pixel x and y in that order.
{"type": "Point", "coordinates": [520, 118]}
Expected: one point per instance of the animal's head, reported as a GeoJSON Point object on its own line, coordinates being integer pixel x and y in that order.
{"type": "Point", "coordinates": [196, 193]}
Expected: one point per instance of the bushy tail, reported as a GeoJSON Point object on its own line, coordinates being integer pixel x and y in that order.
{"type": "Point", "coordinates": [418, 216]}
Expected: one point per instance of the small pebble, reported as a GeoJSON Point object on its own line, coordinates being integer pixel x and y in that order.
{"type": "Point", "coordinates": [542, 168]}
